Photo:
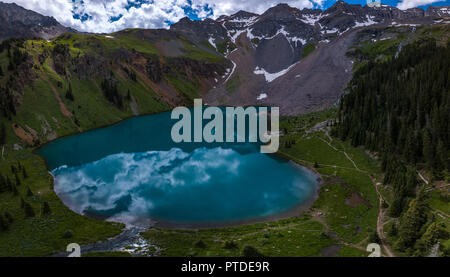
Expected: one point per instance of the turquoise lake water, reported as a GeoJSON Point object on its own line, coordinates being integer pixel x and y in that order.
{"type": "Point", "coordinates": [132, 172]}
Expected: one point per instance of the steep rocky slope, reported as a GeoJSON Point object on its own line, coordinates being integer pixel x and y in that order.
{"type": "Point", "coordinates": [294, 59]}
{"type": "Point", "coordinates": [77, 82]}
{"type": "Point", "coordinates": [267, 51]}
{"type": "Point", "coordinates": [16, 21]}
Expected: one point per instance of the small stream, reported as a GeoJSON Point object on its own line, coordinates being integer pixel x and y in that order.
{"type": "Point", "coordinates": [400, 46]}
{"type": "Point", "coordinates": [129, 241]}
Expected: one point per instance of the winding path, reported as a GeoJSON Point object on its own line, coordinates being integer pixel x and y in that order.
{"type": "Point", "coordinates": [380, 224]}
{"type": "Point", "coordinates": [381, 212]}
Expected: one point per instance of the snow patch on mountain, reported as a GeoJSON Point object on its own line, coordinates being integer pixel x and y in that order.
{"type": "Point", "coordinates": [311, 19]}
{"type": "Point", "coordinates": [261, 96]}
{"type": "Point", "coordinates": [232, 71]}
{"type": "Point", "coordinates": [282, 31]}
{"type": "Point", "coordinates": [368, 22]}
{"type": "Point", "coordinates": [332, 31]}
{"type": "Point", "coordinates": [236, 34]}
{"type": "Point", "coordinates": [272, 76]}
{"type": "Point", "coordinates": [244, 22]}
{"type": "Point", "coordinates": [211, 41]}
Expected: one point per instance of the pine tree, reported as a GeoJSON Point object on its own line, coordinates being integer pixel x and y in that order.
{"type": "Point", "coordinates": [69, 94]}
{"type": "Point", "coordinates": [128, 95]}
{"type": "Point", "coordinates": [3, 185]}
{"type": "Point", "coordinates": [45, 209]}
{"type": "Point", "coordinates": [429, 238]}
{"type": "Point", "coordinates": [14, 190]}
{"type": "Point", "coordinates": [412, 221]}
{"type": "Point", "coordinates": [396, 206]}
{"type": "Point", "coordinates": [9, 183]}
{"type": "Point", "coordinates": [3, 134]}
{"type": "Point", "coordinates": [411, 181]}
{"type": "Point", "coordinates": [29, 212]}
{"type": "Point", "coordinates": [11, 66]}
{"type": "Point", "coordinates": [4, 226]}
{"type": "Point", "coordinates": [393, 231]}
{"type": "Point", "coordinates": [373, 237]}
{"type": "Point", "coordinates": [18, 183]}
{"type": "Point", "coordinates": [24, 172]}
{"type": "Point", "coordinates": [29, 192]}
{"type": "Point", "coordinates": [443, 156]}
{"type": "Point", "coordinates": [428, 149]}
{"type": "Point", "coordinates": [9, 217]}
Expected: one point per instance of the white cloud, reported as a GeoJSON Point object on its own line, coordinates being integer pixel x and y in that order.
{"type": "Point", "coordinates": [148, 15]}
{"type": "Point", "coordinates": [256, 6]}
{"type": "Point", "coordinates": [100, 11]}
{"type": "Point", "coordinates": [406, 4]}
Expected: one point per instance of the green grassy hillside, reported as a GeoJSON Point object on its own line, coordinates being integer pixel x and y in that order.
{"type": "Point", "coordinates": [58, 88]}
{"type": "Point", "coordinates": [74, 83]}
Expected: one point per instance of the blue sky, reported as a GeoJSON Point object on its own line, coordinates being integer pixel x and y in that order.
{"type": "Point", "coordinates": [104, 16]}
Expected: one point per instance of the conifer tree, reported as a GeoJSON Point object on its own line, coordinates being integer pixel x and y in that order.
{"type": "Point", "coordinates": [428, 239]}
{"type": "Point", "coordinates": [45, 208]}
{"type": "Point", "coordinates": [3, 185]}
{"type": "Point", "coordinates": [22, 203]}
{"type": "Point", "coordinates": [9, 217]}
{"type": "Point", "coordinates": [29, 192]}
{"type": "Point", "coordinates": [412, 221]}
{"type": "Point", "coordinates": [2, 134]}
{"type": "Point", "coordinates": [18, 182]}
{"type": "Point", "coordinates": [9, 183]}
{"type": "Point", "coordinates": [69, 94]}
{"type": "Point", "coordinates": [4, 226]}
{"type": "Point", "coordinates": [411, 181]}
{"type": "Point", "coordinates": [428, 149]}
{"type": "Point", "coordinates": [24, 172]}
{"type": "Point", "coordinates": [29, 212]}
{"type": "Point", "coordinates": [14, 190]}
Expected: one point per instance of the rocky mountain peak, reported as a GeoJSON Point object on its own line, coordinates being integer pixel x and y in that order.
{"type": "Point", "coordinates": [343, 7]}
{"type": "Point", "coordinates": [281, 12]}
{"type": "Point", "coordinates": [243, 15]}
{"type": "Point", "coordinates": [438, 11]}
{"type": "Point", "coordinates": [19, 22]}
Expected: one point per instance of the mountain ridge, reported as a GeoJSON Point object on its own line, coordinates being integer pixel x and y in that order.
{"type": "Point", "coordinates": [17, 21]}
{"type": "Point", "coordinates": [47, 27]}
{"type": "Point", "coordinates": [290, 58]}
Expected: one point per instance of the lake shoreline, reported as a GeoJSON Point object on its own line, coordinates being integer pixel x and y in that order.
{"type": "Point", "coordinates": [295, 211]}
{"type": "Point", "coordinates": [151, 222]}
{"type": "Point", "coordinates": [291, 212]}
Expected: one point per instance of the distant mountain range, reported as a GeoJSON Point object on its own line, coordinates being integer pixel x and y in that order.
{"type": "Point", "coordinates": [286, 57]}
{"type": "Point", "coordinates": [266, 51]}
{"type": "Point", "coordinates": [20, 22]}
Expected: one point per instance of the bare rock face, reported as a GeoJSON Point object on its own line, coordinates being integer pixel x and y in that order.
{"type": "Point", "coordinates": [435, 11]}
{"type": "Point", "coordinates": [200, 30]}
{"type": "Point", "coordinates": [271, 53]}
{"type": "Point", "coordinates": [16, 21]}
{"type": "Point", "coordinates": [295, 58]}
{"type": "Point", "coordinates": [237, 21]}
{"type": "Point", "coordinates": [415, 12]}
{"type": "Point", "coordinates": [153, 69]}
{"type": "Point", "coordinates": [279, 35]}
